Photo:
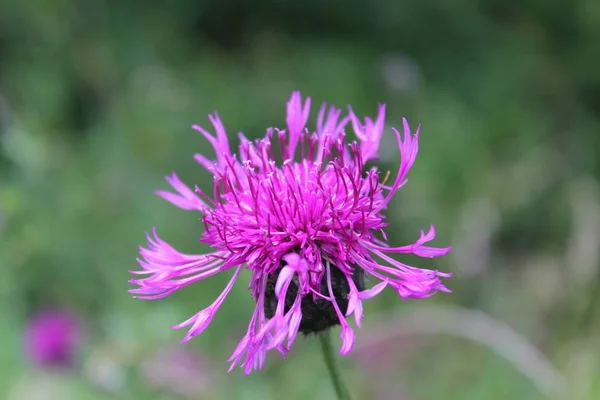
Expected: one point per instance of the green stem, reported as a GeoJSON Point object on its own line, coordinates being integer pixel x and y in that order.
{"type": "Point", "coordinates": [332, 367]}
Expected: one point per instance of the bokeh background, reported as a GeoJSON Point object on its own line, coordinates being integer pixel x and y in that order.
{"type": "Point", "coordinates": [96, 102]}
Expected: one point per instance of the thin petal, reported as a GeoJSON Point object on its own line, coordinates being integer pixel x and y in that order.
{"type": "Point", "coordinates": [202, 319]}
{"type": "Point", "coordinates": [374, 291]}
{"type": "Point", "coordinates": [185, 198]}
{"type": "Point", "coordinates": [409, 147]}
{"type": "Point", "coordinates": [417, 248]}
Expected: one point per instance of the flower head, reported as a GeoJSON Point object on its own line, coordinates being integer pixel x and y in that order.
{"type": "Point", "coordinates": [52, 337]}
{"type": "Point", "coordinates": [309, 229]}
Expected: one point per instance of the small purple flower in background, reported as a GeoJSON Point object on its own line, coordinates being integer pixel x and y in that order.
{"type": "Point", "coordinates": [177, 371]}
{"type": "Point", "coordinates": [52, 338]}
{"type": "Point", "coordinates": [382, 361]}
{"type": "Point", "coordinates": [309, 230]}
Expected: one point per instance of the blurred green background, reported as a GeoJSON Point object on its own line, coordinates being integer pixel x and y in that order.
{"type": "Point", "coordinates": [96, 102]}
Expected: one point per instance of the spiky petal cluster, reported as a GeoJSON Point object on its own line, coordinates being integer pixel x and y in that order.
{"type": "Point", "coordinates": [316, 213]}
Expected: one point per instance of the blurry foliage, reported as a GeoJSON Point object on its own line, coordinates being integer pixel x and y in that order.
{"type": "Point", "coordinates": [96, 100]}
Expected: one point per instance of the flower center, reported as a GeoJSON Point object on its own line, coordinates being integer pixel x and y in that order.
{"type": "Point", "coordinates": [317, 314]}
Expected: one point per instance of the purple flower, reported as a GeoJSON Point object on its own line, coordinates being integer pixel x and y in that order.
{"type": "Point", "coordinates": [309, 229]}
{"type": "Point", "coordinates": [52, 338]}
{"type": "Point", "coordinates": [178, 371]}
